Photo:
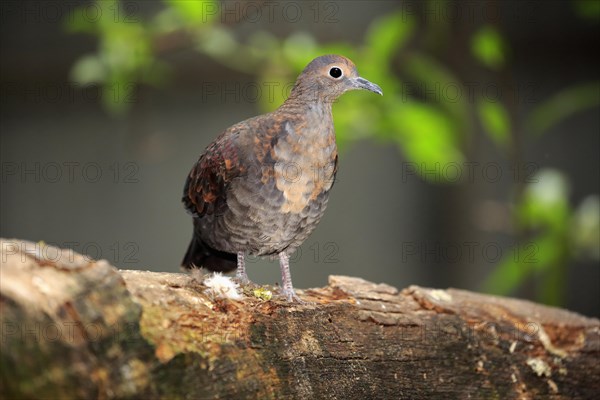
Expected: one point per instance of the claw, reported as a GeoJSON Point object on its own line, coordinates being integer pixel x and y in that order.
{"type": "Point", "coordinates": [292, 297]}
{"type": "Point", "coordinates": [287, 289]}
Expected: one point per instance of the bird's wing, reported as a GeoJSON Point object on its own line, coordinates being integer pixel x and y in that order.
{"type": "Point", "coordinates": [205, 190]}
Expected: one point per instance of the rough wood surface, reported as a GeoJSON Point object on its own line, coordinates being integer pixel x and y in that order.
{"type": "Point", "coordinates": [79, 328]}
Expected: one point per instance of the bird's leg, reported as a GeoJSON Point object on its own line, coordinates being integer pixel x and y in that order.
{"type": "Point", "coordinates": [241, 275]}
{"type": "Point", "coordinates": [286, 278]}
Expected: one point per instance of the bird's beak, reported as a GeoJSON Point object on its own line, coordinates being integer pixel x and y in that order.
{"type": "Point", "coordinates": [362, 83]}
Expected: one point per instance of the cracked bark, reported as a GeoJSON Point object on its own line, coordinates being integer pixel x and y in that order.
{"type": "Point", "coordinates": [78, 328]}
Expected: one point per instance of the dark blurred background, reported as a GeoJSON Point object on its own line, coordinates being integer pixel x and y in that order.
{"type": "Point", "coordinates": [477, 169]}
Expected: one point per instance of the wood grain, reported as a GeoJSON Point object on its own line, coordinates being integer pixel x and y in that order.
{"type": "Point", "coordinates": [79, 328]}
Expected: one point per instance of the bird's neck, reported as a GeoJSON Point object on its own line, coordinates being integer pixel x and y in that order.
{"type": "Point", "coordinates": [311, 108]}
{"type": "Point", "coordinates": [306, 92]}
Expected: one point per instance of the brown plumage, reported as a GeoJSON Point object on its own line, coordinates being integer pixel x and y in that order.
{"type": "Point", "coordinates": [262, 186]}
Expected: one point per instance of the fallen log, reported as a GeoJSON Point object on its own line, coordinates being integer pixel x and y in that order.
{"type": "Point", "coordinates": [72, 327]}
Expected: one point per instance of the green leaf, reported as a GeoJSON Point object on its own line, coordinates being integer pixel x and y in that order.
{"type": "Point", "coordinates": [520, 262]}
{"type": "Point", "coordinates": [155, 73]}
{"type": "Point", "coordinates": [166, 21]}
{"type": "Point", "coordinates": [585, 228]}
{"type": "Point", "coordinates": [262, 44]}
{"type": "Point", "coordinates": [427, 137]}
{"type": "Point", "coordinates": [299, 49]}
{"type": "Point", "coordinates": [118, 94]}
{"type": "Point", "coordinates": [219, 43]}
{"type": "Point", "coordinates": [438, 84]}
{"type": "Point", "coordinates": [495, 121]}
{"type": "Point", "coordinates": [552, 290]}
{"type": "Point", "coordinates": [545, 202]}
{"type": "Point", "coordinates": [384, 37]}
{"type": "Point", "coordinates": [89, 69]}
{"type": "Point", "coordinates": [356, 117]}
{"type": "Point", "coordinates": [388, 34]}
{"type": "Point", "coordinates": [197, 11]}
{"type": "Point", "coordinates": [563, 105]}
{"type": "Point", "coordinates": [543, 209]}
{"type": "Point", "coordinates": [507, 276]}
{"type": "Point", "coordinates": [488, 47]}
{"type": "Point", "coordinates": [274, 91]}
{"type": "Point", "coordinates": [548, 251]}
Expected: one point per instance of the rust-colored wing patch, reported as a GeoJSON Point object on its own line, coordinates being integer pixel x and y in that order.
{"type": "Point", "coordinates": [205, 190]}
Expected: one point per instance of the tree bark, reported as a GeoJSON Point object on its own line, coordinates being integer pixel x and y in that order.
{"type": "Point", "coordinates": [79, 328]}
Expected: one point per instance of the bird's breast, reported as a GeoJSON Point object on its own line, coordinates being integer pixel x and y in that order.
{"type": "Point", "coordinates": [304, 167]}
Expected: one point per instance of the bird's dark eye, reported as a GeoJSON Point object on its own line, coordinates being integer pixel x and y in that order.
{"type": "Point", "coordinates": [335, 72]}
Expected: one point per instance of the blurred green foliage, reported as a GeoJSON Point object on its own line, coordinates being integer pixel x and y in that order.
{"type": "Point", "coordinates": [488, 46]}
{"type": "Point", "coordinates": [495, 120]}
{"type": "Point", "coordinates": [563, 105]}
{"type": "Point", "coordinates": [589, 9]}
{"type": "Point", "coordinates": [124, 57]}
{"type": "Point", "coordinates": [420, 112]}
{"type": "Point", "coordinates": [555, 234]}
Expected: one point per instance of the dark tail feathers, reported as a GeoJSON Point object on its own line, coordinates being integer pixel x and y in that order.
{"type": "Point", "coordinates": [199, 254]}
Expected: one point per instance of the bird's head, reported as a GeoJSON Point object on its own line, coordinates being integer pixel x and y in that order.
{"type": "Point", "coordinates": [327, 77]}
